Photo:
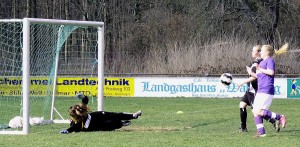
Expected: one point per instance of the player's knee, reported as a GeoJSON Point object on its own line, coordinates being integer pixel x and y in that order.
{"type": "Point", "coordinates": [257, 112]}
{"type": "Point", "coordinates": [243, 104]}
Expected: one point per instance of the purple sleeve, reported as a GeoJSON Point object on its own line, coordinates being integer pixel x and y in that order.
{"type": "Point", "coordinates": [271, 64]}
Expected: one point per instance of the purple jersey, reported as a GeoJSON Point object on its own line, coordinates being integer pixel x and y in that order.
{"type": "Point", "coordinates": [266, 82]}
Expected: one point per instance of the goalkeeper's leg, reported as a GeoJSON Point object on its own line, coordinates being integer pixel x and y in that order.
{"type": "Point", "coordinates": [122, 115]}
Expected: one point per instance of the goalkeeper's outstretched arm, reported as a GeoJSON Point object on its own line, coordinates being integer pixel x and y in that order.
{"type": "Point", "coordinates": [84, 98]}
{"type": "Point", "coordinates": [84, 101]}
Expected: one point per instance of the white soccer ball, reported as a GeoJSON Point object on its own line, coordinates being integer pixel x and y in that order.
{"type": "Point", "coordinates": [16, 122]}
{"type": "Point", "coordinates": [226, 79]}
{"type": "Point", "coordinates": [36, 120]}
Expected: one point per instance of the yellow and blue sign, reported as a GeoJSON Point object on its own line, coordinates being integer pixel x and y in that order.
{"type": "Point", "coordinates": [119, 86]}
{"type": "Point", "coordinates": [67, 86]}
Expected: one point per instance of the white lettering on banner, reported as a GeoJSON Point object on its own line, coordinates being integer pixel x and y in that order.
{"type": "Point", "coordinates": [196, 87]}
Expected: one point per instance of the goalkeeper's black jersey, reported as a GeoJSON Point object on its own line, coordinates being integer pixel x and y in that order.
{"type": "Point", "coordinates": [253, 84]}
{"type": "Point", "coordinates": [100, 121]}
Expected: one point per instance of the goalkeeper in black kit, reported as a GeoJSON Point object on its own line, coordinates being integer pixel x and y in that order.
{"type": "Point", "coordinates": [82, 119]}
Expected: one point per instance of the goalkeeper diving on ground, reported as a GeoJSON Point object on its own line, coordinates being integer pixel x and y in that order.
{"type": "Point", "coordinates": [83, 119]}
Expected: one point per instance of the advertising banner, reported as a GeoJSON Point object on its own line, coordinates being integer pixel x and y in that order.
{"type": "Point", "coordinates": [196, 87]}
{"type": "Point", "coordinates": [67, 86]}
{"type": "Point", "coordinates": [119, 87]}
{"type": "Point", "coordinates": [12, 86]}
{"type": "Point", "coordinates": [210, 87]}
{"type": "Point", "coordinates": [293, 88]}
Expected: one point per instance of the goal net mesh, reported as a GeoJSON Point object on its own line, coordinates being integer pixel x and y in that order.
{"type": "Point", "coordinates": [75, 47]}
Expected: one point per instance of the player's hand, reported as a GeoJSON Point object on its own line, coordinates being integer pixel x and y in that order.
{"type": "Point", "coordinates": [258, 69]}
{"type": "Point", "coordinates": [64, 132]}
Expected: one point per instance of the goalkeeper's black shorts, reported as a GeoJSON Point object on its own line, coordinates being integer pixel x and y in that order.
{"type": "Point", "coordinates": [248, 98]}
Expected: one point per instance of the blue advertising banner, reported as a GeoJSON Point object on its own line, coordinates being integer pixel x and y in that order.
{"type": "Point", "coordinates": [293, 88]}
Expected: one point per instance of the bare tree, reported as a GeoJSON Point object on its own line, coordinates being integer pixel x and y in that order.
{"type": "Point", "coordinates": [28, 8]}
{"type": "Point", "coordinates": [264, 15]}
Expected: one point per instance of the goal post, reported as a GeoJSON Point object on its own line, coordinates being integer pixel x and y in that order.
{"type": "Point", "coordinates": [45, 48]}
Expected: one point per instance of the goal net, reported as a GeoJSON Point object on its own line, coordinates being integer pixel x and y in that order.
{"type": "Point", "coordinates": [44, 63]}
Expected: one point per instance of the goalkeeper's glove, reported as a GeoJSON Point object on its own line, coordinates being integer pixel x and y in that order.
{"type": "Point", "coordinates": [80, 95]}
{"type": "Point", "coordinates": [64, 132]}
{"type": "Point", "coordinates": [84, 99]}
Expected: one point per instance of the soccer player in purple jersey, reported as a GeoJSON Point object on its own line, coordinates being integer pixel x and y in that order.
{"type": "Point", "coordinates": [265, 73]}
{"type": "Point", "coordinates": [248, 98]}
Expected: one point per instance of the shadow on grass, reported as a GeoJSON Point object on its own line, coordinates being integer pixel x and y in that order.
{"type": "Point", "coordinates": [295, 130]}
{"type": "Point", "coordinates": [151, 129]}
{"type": "Point", "coordinates": [209, 123]}
{"type": "Point", "coordinates": [163, 129]}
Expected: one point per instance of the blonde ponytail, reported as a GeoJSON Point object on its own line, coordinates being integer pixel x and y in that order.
{"type": "Point", "coordinates": [282, 50]}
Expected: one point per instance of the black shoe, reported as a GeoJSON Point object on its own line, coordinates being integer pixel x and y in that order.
{"type": "Point", "coordinates": [277, 126]}
{"type": "Point", "coordinates": [243, 130]}
{"type": "Point", "coordinates": [126, 122]}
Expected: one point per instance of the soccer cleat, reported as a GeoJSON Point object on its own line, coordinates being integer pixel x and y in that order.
{"type": "Point", "coordinates": [277, 126]}
{"type": "Point", "coordinates": [242, 130]}
{"type": "Point", "coordinates": [258, 135]}
{"type": "Point", "coordinates": [126, 122]}
{"type": "Point", "coordinates": [282, 121]}
{"type": "Point", "coordinates": [137, 114]}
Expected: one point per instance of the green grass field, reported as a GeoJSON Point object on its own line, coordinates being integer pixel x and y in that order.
{"type": "Point", "coordinates": [205, 122]}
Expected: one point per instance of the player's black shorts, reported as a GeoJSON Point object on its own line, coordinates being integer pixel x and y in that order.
{"type": "Point", "coordinates": [248, 98]}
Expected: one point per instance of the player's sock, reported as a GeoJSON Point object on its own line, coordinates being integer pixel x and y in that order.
{"type": "Point", "coordinates": [259, 125]}
{"type": "Point", "coordinates": [269, 119]}
{"type": "Point", "coordinates": [270, 114]}
{"type": "Point", "coordinates": [243, 114]}
{"type": "Point", "coordinates": [272, 120]}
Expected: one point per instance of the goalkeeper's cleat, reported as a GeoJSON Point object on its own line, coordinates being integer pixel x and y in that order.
{"type": "Point", "coordinates": [282, 121]}
{"type": "Point", "coordinates": [277, 126]}
{"type": "Point", "coordinates": [80, 95]}
{"type": "Point", "coordinates": [137, 114]}
{"type": "Point", "coordinates": [259, 135]}
{"type": "Point", "coordinates": [241, 130]}
{"type": "Point", "coordinates": [126, 122]}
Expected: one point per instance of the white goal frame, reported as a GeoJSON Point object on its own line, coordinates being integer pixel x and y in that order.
{"type": "Point", "coordinates": [26, 64]}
